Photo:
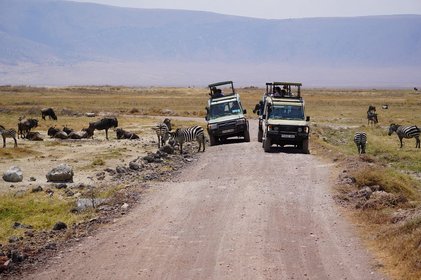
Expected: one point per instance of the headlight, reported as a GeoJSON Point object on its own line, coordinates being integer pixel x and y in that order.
{"type": "Point", "coordinates": [213, 126]}
{"type": "Point", "coordinates": [307, 129]}
{"type": "Point", "coordinates": [241, 121]}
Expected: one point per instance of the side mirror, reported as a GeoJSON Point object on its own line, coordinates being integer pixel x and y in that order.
{"type": "Point", "coordinates": [244, 111]}
{"type": "Point", "coordinates": [206, 118]}
{"type": "Point", "coordinates": [307, 118]}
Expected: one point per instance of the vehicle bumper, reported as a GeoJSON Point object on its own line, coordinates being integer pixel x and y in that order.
{"type": "Point", "coordinates": [279, 137]}
{"type": "Point", "coordinates": [228, 131]}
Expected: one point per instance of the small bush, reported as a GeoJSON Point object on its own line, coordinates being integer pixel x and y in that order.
{"type": "Point", "coordinates": [98, 162]}
{"type": "Point", "coordinates": [389, 180]}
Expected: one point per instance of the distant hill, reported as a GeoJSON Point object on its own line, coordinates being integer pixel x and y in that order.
{"type": "Point", "coordinates": [55, 35]}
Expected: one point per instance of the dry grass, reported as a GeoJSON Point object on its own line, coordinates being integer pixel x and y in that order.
{"type": "Point", "coordinates": [335, 116]}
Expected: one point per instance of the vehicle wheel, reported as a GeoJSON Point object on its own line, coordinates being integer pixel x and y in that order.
{"type": "Point", "coordinates": [305, 147]}
{"type": "Point", "coordinates": [260, 135]}
{"type": "Point", "coordinates": [212, 140]}
{"type": "Point", "coordinates": [266, 145]}
{"type": "Point", "coordinates": [246, 136]}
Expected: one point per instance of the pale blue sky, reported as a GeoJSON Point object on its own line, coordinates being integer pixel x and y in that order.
{"type": "Point", "coordinates": [280, 8]}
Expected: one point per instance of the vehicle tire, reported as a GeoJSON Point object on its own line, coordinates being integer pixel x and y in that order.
{"type": "Point", "coordinates": [260, 135]}
{"type": "Point", "coordinates": [246, 136]}
{"type": "Point", "coordinates": [266, 145]}
{"type": "Point", "coordinates": [305, 147]}
{"type": "Point", "coordinates": [212, 140]}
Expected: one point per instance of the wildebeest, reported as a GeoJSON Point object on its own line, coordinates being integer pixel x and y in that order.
{"type": "Point", "coordinates": [25, 126]}
{"type": "Point", "coordinates": [67, 129]}
{"type": "Point", "coordinates": [70, 134]}
{"type": "Point", "coordinates": [34, 136]}
{"type": "Point", "coordinates": [104, 124]}
{"type": "Point", "coordinates": [123, 134]}
{"type": "Point", "coordinates": [48, 112]}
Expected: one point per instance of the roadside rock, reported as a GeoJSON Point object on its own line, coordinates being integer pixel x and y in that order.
{"type": "Point", "coordinates": [167, 149]}
{"type": "Point", "coordinates": [36, 189]}
{"type": "Point", "coordinates": [14, 174]}
{"type": "Point", "coordinates": [134, 165]}
{"type": "Point", "coordinates": [84, 203]}
{"type": "Point", "coordinates": [4, 263]}
{"type": "Point", "coordinates": [60, 226]}
{"type": "Point", "coordinates": [382, 199]}
{"type": "Point", "coordinates": [61, 173]}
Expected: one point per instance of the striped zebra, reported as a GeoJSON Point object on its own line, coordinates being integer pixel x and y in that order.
{"type": "Point", "coordinates": [162, 132]}
{"type": "Point", "coordinates": [406, 132]}
{"type": "Point", "coordinates": [360, 139]}
{"type": "Point", "coordinates": [8, 133]}
{"type": "Point", "coordinates": [189, 134]}
{"type": "Point", "coordinates": [372, 115]}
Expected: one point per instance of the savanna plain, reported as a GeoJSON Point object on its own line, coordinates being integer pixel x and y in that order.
{"type": "Point", "coordinates": [390, 223]}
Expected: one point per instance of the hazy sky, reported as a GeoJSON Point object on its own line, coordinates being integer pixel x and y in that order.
{"type": "Point", "coordinates": [280, 8]}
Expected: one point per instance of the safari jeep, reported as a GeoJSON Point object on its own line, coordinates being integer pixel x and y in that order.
{"type": "Point", "coordinates": [283, 121]}
{"type": "Point", "coordinates": [225, 114]}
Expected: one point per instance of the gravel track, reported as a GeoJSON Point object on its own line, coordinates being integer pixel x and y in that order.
{"type": "Point", "coordinates": [237, 213]}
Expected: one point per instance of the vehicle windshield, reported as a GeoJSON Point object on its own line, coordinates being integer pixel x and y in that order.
{"type": "Point", "coordinates": [286, 112]}
{"type": "Point", "coordinates": [224, 109]}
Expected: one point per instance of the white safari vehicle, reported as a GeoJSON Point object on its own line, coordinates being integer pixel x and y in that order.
{"type": "Point", "coordinates": [225, 114]}
{"type": "Point", "coordinates": [283, 121]}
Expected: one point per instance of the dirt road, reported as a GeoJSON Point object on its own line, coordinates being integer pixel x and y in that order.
{"type": "Point", "coordinates": [238, 213]}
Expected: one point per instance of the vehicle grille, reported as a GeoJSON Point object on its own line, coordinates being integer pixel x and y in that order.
{"type": "Point", "coordinates": [227, 125]}
{"type": "Point", "coordinates": [287, 128]}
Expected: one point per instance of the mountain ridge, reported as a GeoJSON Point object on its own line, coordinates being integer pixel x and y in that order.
{"type": "Point", "coordinates": [64, 33]}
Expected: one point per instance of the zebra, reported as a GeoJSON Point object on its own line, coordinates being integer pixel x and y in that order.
{"type": "Point", "coordinates": [372, 115]}
{"type": "Point", "coordinates": [189, 134]}
{"type": "Point", "coordinates": [360, 139]}
{"type": "Point", "coordinates": [8, 133]}
{"type": "Point", "coordinates": [162, 130]}
{"type": "Point", "coordinates": [406, 132]}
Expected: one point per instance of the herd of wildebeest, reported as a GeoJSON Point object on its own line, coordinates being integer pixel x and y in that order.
{"type": "Point", "coordinates": [25, 125]}
{"type": "Point", "coordinates": [162, 130]}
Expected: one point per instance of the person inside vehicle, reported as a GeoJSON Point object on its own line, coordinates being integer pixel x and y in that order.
{"type": "Point", "coordinates": [217, 93]}
{"type": "Point", "coordinates": [277, 92]}
{"type": "Point", "coordinates": [284, 91]}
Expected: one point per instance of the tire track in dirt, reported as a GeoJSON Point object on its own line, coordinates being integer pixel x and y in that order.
{"type": "Point", "coordinates": [238, 213]}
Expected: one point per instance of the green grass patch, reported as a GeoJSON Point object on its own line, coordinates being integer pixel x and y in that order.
{"type": "Point", "coordinates": [389, 180]}
{"type": "Point", "coordinates": [98, 162]}
{"type": "Point", "coordinates": [37, 210]}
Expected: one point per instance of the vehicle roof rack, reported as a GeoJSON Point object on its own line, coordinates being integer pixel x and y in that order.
{"type": "Point", "coordinates": [270, 87]}
{"type": "Point", "coordinates": [213, 86]}
{"type": "Point", "coordinates": [220, 83]}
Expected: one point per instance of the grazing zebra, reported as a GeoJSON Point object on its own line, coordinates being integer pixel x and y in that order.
{"type": "Point", "coordinates": [406, 132]}
{"type": "Point", "coordinates": [189, 134]}
{"type": "Point", "coordinates": [8, 133]}
{"type": "Point", "coordinates": [360, 139]}
{"type": "Point", "coordinates": [162, 132]}
{"type": "Point", "coordinates": [372, 115]}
